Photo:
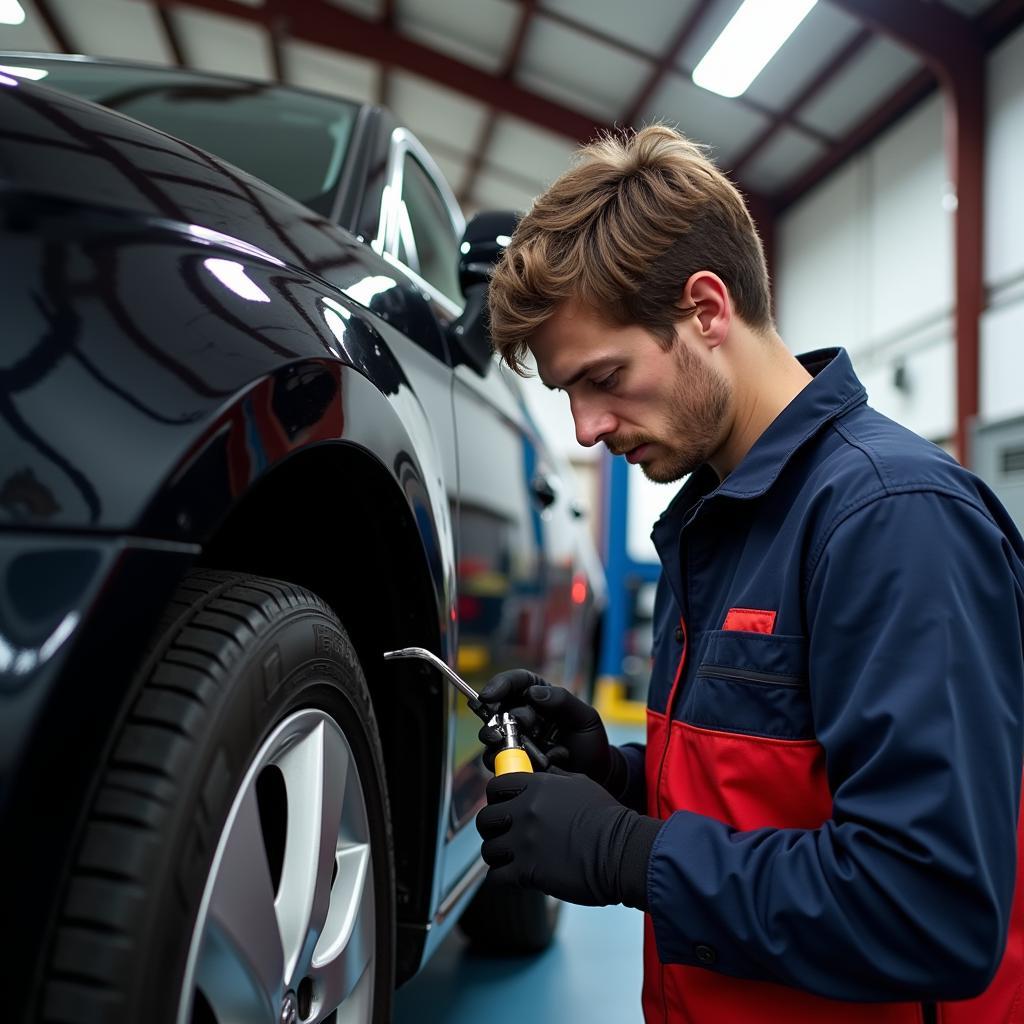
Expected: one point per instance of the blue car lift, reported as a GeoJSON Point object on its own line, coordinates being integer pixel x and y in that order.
{"type": "Point", "coordinates": [623, 575]}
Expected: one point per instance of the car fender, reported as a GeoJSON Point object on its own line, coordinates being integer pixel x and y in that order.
{"type": "Point", "coordinates": [176, 394]}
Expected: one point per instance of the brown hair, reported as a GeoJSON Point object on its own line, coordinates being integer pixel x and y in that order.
{"type": "Point", "coordinates": [622, 231]}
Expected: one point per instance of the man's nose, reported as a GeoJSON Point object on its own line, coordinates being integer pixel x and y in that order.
{"type": "Point", "coordinates": [592, 423]}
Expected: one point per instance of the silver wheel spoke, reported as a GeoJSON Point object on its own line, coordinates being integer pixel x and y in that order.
{"type": "Point", "coordinates": [241, 962]}
{"type": "Point", "coordinates": [358, 1006]}
{"type": "Point", "coordinates": [346, 948]}
{"type": "Point", "coordinates": [249, 946]}
{"type": "Point", "coordinates": [315, 773]}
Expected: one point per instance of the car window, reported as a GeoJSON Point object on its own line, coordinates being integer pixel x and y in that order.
{"type": "Point", "coordinates": [293, 140]}
{"type": "Point", "coordinates": [427, 242]}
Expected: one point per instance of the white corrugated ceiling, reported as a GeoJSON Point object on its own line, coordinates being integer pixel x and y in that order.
{"type": "Point", "coordinates": [596, 61]}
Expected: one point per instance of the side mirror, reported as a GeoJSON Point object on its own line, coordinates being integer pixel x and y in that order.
{"type": "Point", "coordinates": [483, 242]}
{"type": "Point", "coordinates": [469, 337]}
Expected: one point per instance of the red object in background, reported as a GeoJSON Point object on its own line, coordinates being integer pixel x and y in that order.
{"type": "Point", "coordinates": [469, 608]}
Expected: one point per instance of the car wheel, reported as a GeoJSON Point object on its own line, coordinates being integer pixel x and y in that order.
{"type": "Point", "coordinates": [235, 862]}
{"type": "Point", "coordinates": [502, 919]}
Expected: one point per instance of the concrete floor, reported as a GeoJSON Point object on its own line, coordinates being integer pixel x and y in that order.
{"type": "Point", "coordinates": [592, 971]}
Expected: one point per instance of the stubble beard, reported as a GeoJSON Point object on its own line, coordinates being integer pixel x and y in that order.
{"type": "Point", "coordinates": [698, 409]}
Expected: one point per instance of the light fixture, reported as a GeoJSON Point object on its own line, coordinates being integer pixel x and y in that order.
{"type": "Point", "coordinates": [11, 12]}
{"type": "Point", "coordinates": [33, 74]}
{"type": "Point", "coordinates": [755, 34]}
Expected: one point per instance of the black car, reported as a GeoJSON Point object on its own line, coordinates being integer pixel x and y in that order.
{"type": "Point", "coordinates": [252, 438]}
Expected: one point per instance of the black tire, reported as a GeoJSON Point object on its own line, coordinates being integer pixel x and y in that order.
{"type": "Point", "coordinates": [504, 920]}
{"type": "Point", "coordinates": [241, 656]}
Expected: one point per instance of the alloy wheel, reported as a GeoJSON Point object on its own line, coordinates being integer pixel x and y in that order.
{"type": "Point", "coordinates": [285, 932]}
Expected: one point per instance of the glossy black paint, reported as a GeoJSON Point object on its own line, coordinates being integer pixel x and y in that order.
{"type": "Point", "coordinates": [58, 695]}
{"type": "Point", "coordinates": [194, 367]}
{"type": "Point", "coordinates": [85, 276]}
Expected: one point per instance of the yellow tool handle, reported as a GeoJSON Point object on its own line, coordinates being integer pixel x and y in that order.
{"type": "Point", "coordinates": [512, 759]}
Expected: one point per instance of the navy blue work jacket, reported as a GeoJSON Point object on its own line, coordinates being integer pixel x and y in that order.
{"type": "Point", "coordinates": [835, 716]}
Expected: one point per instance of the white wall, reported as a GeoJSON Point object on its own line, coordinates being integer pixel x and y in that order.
{"type": "Point", "coordinates": [866, 261]}
{"type": "Point", "coordinates": [1002, 325]}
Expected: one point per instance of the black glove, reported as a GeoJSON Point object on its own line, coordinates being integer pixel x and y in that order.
{"type": "Point", "coordinates": [566, 728]}
{"type": "Point", "coordinates": [564, 834]}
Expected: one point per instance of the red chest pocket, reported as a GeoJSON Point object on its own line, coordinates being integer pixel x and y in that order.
{"type": "Point", "coordinates": [741, 747]}
{"type": "Point", "coordinates": [750, 620]}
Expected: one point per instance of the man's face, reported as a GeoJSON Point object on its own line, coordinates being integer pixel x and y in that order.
{"type": "Point", "coordinates": [666, 410]}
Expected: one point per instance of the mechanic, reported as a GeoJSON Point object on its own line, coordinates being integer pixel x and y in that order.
{"type": "Point", "coordinates": [823, 822]}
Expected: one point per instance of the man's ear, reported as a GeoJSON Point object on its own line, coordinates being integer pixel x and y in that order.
{"type": "Point", "coordinates": [708, 295]}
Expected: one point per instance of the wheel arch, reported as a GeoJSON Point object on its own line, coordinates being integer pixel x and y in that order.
{"type": "Point", "coordinates": [332, 518]}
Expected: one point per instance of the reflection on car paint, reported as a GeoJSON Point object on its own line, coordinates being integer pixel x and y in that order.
{"type": "Point", "coordinates": [41, 591]}
{"type": "Point", "coordinates": [367, 289]}
{"type": "Point", "coordinates": [221, 239]}
{"type": "Point", "coordinates": [21, 661]}
{"type": "Point", "coordinates": [232, 275]}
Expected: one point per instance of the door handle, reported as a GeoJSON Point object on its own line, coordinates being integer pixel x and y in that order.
{"type": "Point", "coordinates": [544, 490]}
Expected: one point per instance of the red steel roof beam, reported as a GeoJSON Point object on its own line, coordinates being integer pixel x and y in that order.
{"type": "Point", "coordinates": [635, 51]}
{"type": "Point", "coordinates": [887, 113]}
{"type": "Point", "coordinates": [172, 37]}
{"type": "Point", "coordinates": [667, 61]}
{"type": "Point", "coordinates": [1000, 20]}
{"type": "Point", "coordinates": [54, 26]}
{"type": "Point", "coordinates": [277, 30]}
{"type": "Point", "coordinates": [331, 27]}
{"type": "Point", "coordinates": [820, 80]}
{"type": "Point", "coordinates": [508, 70]}
{"type": "Point", "coordinates": [384, 79]}
{"type": "Point", "coordinates": [337, 29]}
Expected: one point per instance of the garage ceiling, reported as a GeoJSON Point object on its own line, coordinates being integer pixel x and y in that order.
{"type": "Point", "coordinates": [501, 91]}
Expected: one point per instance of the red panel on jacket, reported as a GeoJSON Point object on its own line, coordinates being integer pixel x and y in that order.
{"type": "Point", "coordinates": [748, 782]}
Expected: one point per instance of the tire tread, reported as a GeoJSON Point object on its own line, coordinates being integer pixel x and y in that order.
{"type": "Point", "coordinates": [206, 626]}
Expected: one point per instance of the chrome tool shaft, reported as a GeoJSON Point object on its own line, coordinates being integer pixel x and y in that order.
{"type": "Point", "coordinates": [453, 677]}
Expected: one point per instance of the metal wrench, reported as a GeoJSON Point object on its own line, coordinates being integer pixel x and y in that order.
{"type": "Point", "coordinates": [487, 713]}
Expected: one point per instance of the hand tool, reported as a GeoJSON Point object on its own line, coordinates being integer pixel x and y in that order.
{"type": "Point", "coordinates": [518, 751]}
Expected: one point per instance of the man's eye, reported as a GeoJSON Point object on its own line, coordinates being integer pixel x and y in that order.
{"type": "Point", "coordinates": [607, 383]}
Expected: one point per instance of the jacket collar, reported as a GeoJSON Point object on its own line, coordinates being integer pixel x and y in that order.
{"type": "Point", "coordinates": [833, 391]}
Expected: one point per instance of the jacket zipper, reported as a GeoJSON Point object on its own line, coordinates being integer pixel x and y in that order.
{"type": "Point", "coordinates": [668, 714]}
{"type": "Point", "coordinates": [772, 678]}
{"type": "Point", "coordinates": [661, 769]}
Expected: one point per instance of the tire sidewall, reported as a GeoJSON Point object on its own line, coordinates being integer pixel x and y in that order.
{"type": "Point", "coordinates": [301, 660]}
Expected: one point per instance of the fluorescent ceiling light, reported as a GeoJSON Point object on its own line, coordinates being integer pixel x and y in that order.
{"type": "Point", "coordinates": [747, 43]}
{"type": "Point", "coordinates": [33, 74]}
{"type": "Point", "coordinates": [11, 12]}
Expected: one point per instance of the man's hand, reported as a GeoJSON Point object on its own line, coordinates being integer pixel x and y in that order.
{"type": "Point", "coordinates": [564, 834]}
{"type": "Point", "coordinates": [580, 744]}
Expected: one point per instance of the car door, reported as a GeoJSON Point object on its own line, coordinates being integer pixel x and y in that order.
{"type": "Point", "coordinates": [502, 575]}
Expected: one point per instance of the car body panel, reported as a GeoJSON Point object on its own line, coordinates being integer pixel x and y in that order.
{"type": "Point", "coordinates": [168, 312]}
{"type": "Point", "coordinates": [76, 614]}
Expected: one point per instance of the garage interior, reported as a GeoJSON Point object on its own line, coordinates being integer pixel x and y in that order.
{"type": "Point", "coordinates": [879, 152]}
